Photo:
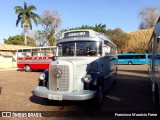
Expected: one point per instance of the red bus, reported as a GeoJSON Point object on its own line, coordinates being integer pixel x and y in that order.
{"type": "Point", "coordinates": [35, 58]}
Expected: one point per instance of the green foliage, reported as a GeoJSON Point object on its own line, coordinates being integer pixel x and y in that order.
{"type": "Point", "coordinates": [119, 38]}
{"type": "Point", "coordinates": [98, 28]}
{"type": "Point", "coordinates": [19, 40]}
{"type": "Point", "coordinates": [26, 15]}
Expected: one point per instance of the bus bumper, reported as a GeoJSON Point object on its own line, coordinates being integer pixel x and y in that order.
{"type": "Point", "coordinates": [43, 92]}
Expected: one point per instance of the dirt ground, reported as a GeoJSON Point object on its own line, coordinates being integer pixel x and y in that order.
{"type": "Point", "coordinates": [131, 92]}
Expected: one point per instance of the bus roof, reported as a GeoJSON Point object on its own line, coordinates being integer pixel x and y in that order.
{"type": "Point", "coordinates": [133, 54]}
{"type": "Point", "coordinates": [37, 47]}
{"type": "Point", "coordinates": [81, 35]}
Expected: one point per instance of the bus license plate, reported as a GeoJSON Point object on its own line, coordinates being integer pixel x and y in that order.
{"type": "Point", "coordinates": [55, 97]}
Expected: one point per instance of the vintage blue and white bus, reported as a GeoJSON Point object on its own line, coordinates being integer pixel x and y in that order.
{"type": "Point", "coordinates": [132, 58]}
{"type": "Point", "coordinates": [154, 66]}
{"type": "Point", "coordinates": [85, 67]}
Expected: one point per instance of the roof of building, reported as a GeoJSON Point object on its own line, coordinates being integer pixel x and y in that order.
{"type": "Point", "coordinates": [11, 47]}
{"type": "Point", "coordinates": [9, 50]}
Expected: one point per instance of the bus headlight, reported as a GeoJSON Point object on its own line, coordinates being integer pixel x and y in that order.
{"type": "Point", "coordinates": [87, 78]}
{"type": "Point", "coordinates": [42, 76]}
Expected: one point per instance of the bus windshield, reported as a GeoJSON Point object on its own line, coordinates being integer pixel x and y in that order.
{"type": "Point", "coordinates": [85, 48]}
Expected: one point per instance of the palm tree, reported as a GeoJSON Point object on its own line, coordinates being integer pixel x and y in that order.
{"type": "Point", "coordinates": [25, 15]}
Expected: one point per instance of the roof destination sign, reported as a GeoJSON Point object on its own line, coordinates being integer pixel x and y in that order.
{"type": "Point", "coordinates": [76, 34]}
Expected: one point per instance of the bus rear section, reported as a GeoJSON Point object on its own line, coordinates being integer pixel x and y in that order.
{"type": "Point", "coordinates": [130, 59]}
{"type": "Point", "coordinates": [37, 58]}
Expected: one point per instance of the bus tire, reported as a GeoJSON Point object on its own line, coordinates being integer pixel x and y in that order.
{"type": "Point", "coordinates": [98, 100]}
{"type": "Point", "coordinates": [114, 79]}
{"type": "Point", "coordinates": [129, 63]}
{"type": "Point", "coordinates": [155, 93]}
{"type": "Point", "coordinates": [27, 68]}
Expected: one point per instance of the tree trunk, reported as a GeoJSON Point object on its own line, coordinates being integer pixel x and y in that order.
{"type": "Point", "coordinates": [25, 38]}
{"type": "Point", "coordinates": [25, 32]}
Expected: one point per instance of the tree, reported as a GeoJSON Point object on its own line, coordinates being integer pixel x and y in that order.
{"type": "Point", "coordinates": [40, 38]}
{"type": "Point", "coordinates": [101, 28]}
{"type": "Point", "coordinates": [18, 40]}
{"type": "Point", "coordinates": [119, 38]}
{"type": "Point", "coordinates": [148, 16]}
{"type": "Point", "coordinates": [142, 25]}
{"type": "Point", "coordinates": [25, 16]}
{"type": "Point", "coordinates": [51, 22]}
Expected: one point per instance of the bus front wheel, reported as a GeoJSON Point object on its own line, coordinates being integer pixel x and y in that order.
{"type": "Point", "coordinates": [129, 63]}
{"type": "Point", "coordinates": [27, 68]}
{"type": "Point", "coordinates": [96, 102]}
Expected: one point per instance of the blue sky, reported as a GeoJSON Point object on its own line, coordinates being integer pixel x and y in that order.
{"type": "Point", "coordinates": [74, 13]}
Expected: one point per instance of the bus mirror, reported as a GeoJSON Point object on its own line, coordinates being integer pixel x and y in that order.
{"type": "Point", "coordinates": [53, 58]}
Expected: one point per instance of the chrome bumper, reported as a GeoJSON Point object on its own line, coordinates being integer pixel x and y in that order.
{"type": "Point", "coordinates": [77, 95]}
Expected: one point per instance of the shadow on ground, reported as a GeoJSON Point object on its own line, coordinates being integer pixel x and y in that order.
{"type": "Point", "coordinates": [129, 93]}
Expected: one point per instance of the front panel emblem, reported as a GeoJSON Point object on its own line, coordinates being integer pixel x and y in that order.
{"type": "Point", "coordinates": [57, 73]}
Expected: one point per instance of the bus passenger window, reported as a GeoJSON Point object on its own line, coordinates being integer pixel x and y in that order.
{"type": "Point", "coordinates": [107, 50]}
{"type": "Point", "coordinates": [45, 52]}
{"type": "Point", "coordinates": [53, 51]}
{"type": "Point", "coordinates": [26, 53]}
{"type": "Point", "coordinates": [36, 52]}
{"type": "Point", "coordinates": [19, 53]}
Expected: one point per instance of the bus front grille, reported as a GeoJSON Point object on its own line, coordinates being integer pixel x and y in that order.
{"type": "Point", "coordinates": [59, 78]}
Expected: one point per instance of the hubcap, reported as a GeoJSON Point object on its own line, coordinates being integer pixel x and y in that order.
{"type": "Point", "coordinates": [27, 68]}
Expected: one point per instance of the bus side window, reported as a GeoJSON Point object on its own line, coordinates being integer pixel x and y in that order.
{"type": "Point", "coordinates": [110, 49]}
{"type": "Point", "coordinates": [121, 57]}
{"type": "Point", "coordinates": [53, 51]}
{"type": "Point", "coordinates": [130, 57]}
{"type": "Point", "coordinates": [20, 53]}
{"type": "Point", "coordinates": [107, 50]}
{"type": "Point", "coordinates": [35, 52]}
{"type": "Point", "coordinates": [136, 57]}
{"type": "Point", "coordinates": [47, 52]}
{"type": "Point", "coordinates": [142, 56]}
{"type": "Point", "coordinates": [27, 53]}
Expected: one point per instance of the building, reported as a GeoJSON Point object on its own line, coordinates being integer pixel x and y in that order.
{"type": "Point", "coordinates": [8, 55]}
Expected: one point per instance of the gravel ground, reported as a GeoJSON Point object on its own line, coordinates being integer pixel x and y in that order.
{"type": "Point", "coordinates": [130, 93]}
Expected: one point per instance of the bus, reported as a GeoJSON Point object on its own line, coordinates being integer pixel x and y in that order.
{"type": "Point", "coordinates": [85, 67]}
{"type": "Point", "coordinates": [154, 66]}
{"type": "Point", "coordinates": [132, 58]}
{"type": "Point", "coordinates": [35, 58]}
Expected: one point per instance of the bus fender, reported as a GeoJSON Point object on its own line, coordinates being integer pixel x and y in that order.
{"type": "Point", "coordinates": [45, 81]}
{"type": "Point", "coordinates": [97, 78]}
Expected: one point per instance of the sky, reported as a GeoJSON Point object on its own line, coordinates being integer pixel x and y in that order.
{"type": "Point", "coordinates": [75, 13]}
